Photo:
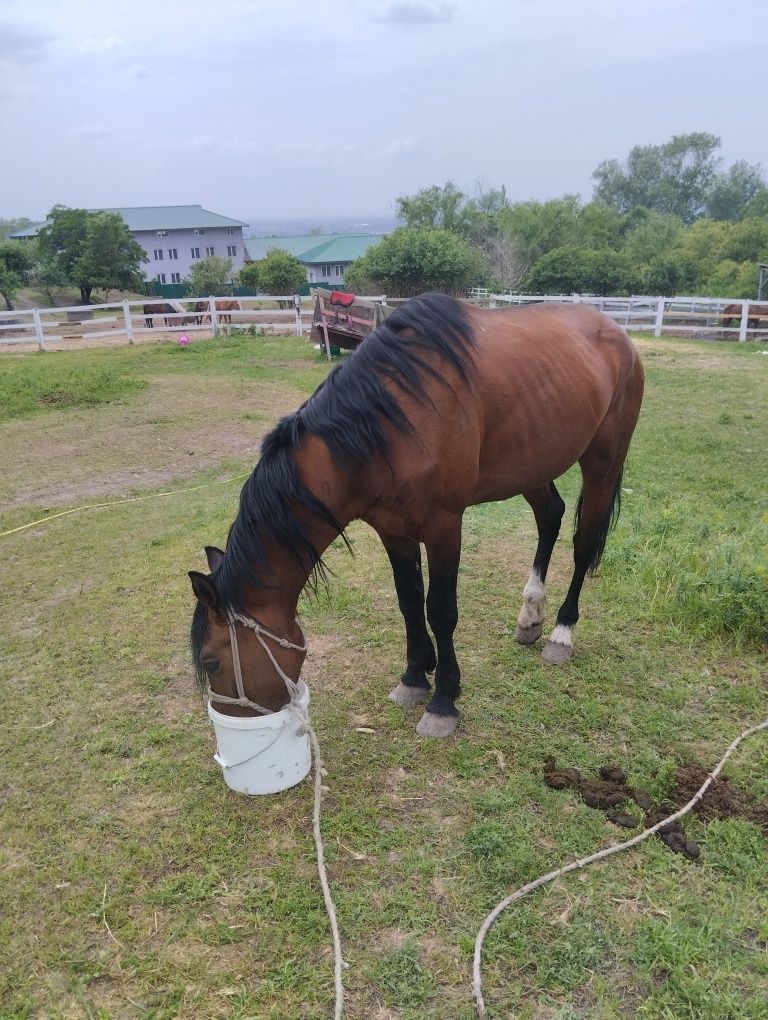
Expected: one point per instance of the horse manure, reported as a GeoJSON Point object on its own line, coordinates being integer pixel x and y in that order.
{"type": "Point", "coordinates": [610, 793]}
{"type": "Point", "coordinates": [620, 818]}
{"type": "Point", "coordinates": [721, 799]}
{"type": "Point", "coordinates": [613, 774]}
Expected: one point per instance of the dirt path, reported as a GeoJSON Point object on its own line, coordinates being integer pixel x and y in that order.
{"type": "Point", "coordinates": [164, 436]}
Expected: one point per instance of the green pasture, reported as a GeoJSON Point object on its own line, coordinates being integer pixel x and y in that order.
{"type": "Point", "coordinates": [135, 885]}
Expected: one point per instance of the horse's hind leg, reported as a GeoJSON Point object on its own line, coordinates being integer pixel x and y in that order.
{"type": "Point", "coordinates": [405, 558]}
{"type": "Point", "coordinates": [548, 509]}
{"type": "Point", "coordinates": [601, 467]}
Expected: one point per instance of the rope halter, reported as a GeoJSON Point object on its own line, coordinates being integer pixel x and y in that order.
{"type": "Point", "coordinates": [261, 633]}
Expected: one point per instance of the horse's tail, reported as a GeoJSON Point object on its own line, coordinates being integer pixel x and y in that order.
{"type": "Point", "coordinates": [611, 516]}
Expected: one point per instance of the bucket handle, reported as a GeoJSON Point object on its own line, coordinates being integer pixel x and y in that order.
{"type": "Point", "coordinates": [233, 764]}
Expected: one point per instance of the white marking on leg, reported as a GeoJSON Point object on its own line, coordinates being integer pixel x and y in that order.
{"type": "Point", "coordinates": [562, 635]}
{"type": "Point", "coordinates": [534, 597]}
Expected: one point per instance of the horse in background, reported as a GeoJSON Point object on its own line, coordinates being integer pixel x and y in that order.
{"type": "Point", "coordinates": [224, 309]}
{"type": "Point", "coordinates": [443, 406]}
{"type": "Point", "coordinates": [174, 315]}
{"type": "Point", "coordinates": [755, 315]}
{"type": "Point", "coordinates": [157, 308]}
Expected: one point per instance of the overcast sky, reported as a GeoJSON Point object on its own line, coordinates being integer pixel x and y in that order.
{"type": "Point", "coordinates": [279, 108]}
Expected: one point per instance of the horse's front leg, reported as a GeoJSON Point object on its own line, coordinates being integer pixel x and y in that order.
{"type": "Point", "coordinates": [443, 544]}
{"type": "Point", "coordinates": [405, 558]}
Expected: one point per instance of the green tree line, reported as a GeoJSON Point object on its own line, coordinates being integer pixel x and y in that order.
{"type": "Point", "coordinates": [668, 220]}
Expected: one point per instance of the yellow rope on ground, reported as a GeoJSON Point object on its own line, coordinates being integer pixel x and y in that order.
{"type": "Point", "coordinates": [118, 502]}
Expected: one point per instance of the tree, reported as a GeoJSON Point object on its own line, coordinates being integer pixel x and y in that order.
{"type": "Point", "coordinates": [732, 279]}
{"type": "Point", "coordinates": [435, 208]}
{"type": "Point", "coordinates": [49, 279]}
{"type": "Point", "coordinates": [91, 249]}
{"type": "Point", "coordinates": [654, 235]}
{"type": "Point", "coordinates": [535, 228]}
{"type": "Point", "coordinates": [572, 269]}
{"type": "Point", "coordinates": [411, 261]}
{"type": "Point", "coordinates": [210, 277]}
{"type": "Point", "coordinates": [16, 259]}
{"type": "Point", "coordinates": [280, 273]}
{"type": "Point", "coordinates": [732, 191]}
{"type": "Point", "coordinates": [110, 258]}
{"type": "Point", "coordinates": [249, 276]}
{"type": "Point", "coordinates": [675, 177]}
{"type": "Point", "coordinates": [667, 275]}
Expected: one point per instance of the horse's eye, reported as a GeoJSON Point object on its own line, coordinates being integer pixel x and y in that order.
{"type": "Point", "coordinates": [210, 665]}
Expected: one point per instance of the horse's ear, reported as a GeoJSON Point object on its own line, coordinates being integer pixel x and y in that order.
{"type": "Point", "coordinates": [203, 587]}
{"type": "Point", "coordinates": [214, 557]}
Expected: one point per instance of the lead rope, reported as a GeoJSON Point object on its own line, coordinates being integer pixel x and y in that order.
{"type": "Point", "coordinates": [581, 863]}
{"type": "Point", "coordinates": [298, 709]}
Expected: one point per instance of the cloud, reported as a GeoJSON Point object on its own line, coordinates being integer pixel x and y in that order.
{"type": "Point", "coordinates": [399, 147]}
{"type": "Point", "coordinates": [103, 45]}
{"type": "Point", "coordinates": [138, 71]}
{"type": "Point", "coordinates": [20, 44]}
{"type": "Point", "coordinates": [91, 131]}
{"type": "Point", "coordinates": [417, 12]}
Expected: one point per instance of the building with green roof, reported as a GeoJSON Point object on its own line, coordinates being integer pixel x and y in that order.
{"type": "Point", "coordinates": [326, 256]}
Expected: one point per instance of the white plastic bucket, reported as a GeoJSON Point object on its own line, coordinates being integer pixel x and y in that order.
{"type": "Point", "coordinates": [263, 753]}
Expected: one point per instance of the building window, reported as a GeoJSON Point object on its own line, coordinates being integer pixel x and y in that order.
{"type": "Point", "coordinates": [172, 253]}
{"type": "Point", "coordinates": [158, 254]}
{"type": "Point", "coordinates": [209, 252]}
{"type": "Point", "coordinates": [339, 270]}
{"type": "Point", "coordinates": [175, 277]}
{"type": "Point", "coordinates": [232, 249]}
{"type": "Point", "coordinates": [195, 253]}
{"type": "Point", "coordinates": [231, 231]}
{"type": "Point", "coordinates": [162, 233]}
{"type": "Point", "coordinates": [160, 277]}
{"type": "Point", "coordinates": [200, 231]}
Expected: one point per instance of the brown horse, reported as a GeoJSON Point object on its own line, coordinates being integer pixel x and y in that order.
{"type": "Point", "coordinates": [733, 313]}
{"type": "Point", "coordinates": [442, 406]}
{"type": "Point", "coordinates": [224, 309]}
{"type": "Point", "coordinates": [157, 308]}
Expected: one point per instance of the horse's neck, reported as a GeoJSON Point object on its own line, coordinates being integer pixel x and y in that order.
{"type": "Point", "coordinates": [333, 487]}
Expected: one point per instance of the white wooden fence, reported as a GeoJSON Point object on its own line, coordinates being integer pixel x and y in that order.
{"type": "Point", "coordinates": [695, 316]}
{"type": "Point", "coordinates": [283, 313]}
{"type": "Point", "coordinates": [703, 317]}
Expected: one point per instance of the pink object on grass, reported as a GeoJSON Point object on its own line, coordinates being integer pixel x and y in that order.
{"type": "Point", "coordinates": [183, 340]}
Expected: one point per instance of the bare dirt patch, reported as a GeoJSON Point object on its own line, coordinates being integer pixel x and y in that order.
{"type": "Point", "coordinates": [704, 359]}
{"type": "Point", "coordinates": [171, 432]}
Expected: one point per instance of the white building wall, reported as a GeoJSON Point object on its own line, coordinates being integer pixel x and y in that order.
{"type": "Point", "coordinates": [176, 251]}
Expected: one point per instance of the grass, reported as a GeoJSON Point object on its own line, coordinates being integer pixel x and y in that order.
{"type": "Point", "coordinates": [135, 885]}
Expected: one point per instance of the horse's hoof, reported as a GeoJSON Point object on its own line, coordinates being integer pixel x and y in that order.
{"type": "Point", "coordinates": [407, 697]}
{"type": "Point", "coordinates": [556, 653]}
{"type": "Point", "coordinates": [437, 725]}
{"type": "Point", "coordinates": [527, 635]}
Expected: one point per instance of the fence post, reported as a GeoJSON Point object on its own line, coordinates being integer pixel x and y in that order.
{"type": "Point", "coordinates": [659, 317]}
{"type": "Point", "coordinates": [128, 322]}
{"type": "Point", "coordinates": [38, 329]}
{"type": "Point", "coordinates": [214, 318]}
{"type": "Point", "coordinates": [297, 309]}
{"type": "Point", "coordinates": [744, 320]}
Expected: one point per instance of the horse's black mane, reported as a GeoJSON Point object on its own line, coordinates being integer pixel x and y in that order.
{"type": "Point", "coordinates": [348, 411]}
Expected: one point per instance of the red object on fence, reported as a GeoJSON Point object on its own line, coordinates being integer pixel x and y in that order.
{"type": "Point", "coordinates": [339, 297]}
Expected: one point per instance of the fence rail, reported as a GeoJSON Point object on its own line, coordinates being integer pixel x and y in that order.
{"type": "Point", "coordinates": [715, 318]}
